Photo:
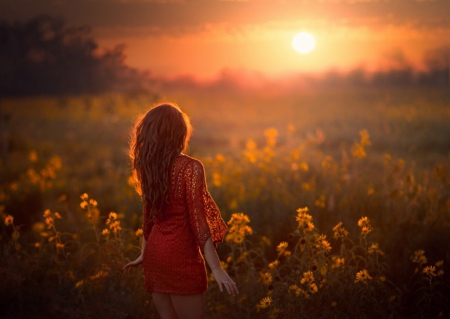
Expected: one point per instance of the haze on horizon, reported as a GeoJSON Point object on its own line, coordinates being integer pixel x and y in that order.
{"type": "Point", "coordinates": [203, 38]}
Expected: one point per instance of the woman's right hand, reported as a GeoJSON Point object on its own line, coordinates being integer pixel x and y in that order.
{"type": "Point", "coordinates": [224, 280]}
{"type": "Point", "coordinates": [132, 264]}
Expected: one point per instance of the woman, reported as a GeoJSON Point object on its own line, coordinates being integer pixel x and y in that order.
{"type": "Point", "coordinates": [181, 222]}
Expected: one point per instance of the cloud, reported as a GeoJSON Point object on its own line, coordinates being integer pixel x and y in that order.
{"type": "Point", "coordinates": [176, 18]}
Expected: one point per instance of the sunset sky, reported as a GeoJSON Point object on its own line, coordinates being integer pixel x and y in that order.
{"type": "Point", "coordinates": [203, 38]}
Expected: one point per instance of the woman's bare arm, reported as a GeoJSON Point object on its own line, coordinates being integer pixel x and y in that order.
{"type": "Point", "coordinates": [220, 275]}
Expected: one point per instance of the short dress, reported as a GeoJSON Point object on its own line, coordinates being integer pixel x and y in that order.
{"type": "Point", "coordinates": [173, 261]}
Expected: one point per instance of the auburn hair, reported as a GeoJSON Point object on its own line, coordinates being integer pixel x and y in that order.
{"type": "Point", "coordinates": [158, 137]}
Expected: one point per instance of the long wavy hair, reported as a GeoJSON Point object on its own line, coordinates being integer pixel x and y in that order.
{"type": "Point", "coordinates": [158, 137]}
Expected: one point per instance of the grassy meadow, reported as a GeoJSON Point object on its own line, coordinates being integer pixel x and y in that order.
{"type": "Point", "coordinates": [338, 203]}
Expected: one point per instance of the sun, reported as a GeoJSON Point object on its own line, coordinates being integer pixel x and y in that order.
{"type": "Point", "coordinates": [303, 42]}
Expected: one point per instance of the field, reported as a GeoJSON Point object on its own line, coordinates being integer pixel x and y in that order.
{"type": "Point", "coordinates": [338, 203]}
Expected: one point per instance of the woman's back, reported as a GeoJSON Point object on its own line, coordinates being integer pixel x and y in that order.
{"type": "Point", "coordinates": [173, 262]}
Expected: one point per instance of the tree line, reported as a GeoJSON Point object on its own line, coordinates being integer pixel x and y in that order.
{"type": "Point", "coordinates": [45, 57]}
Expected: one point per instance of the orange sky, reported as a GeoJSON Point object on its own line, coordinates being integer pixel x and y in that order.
{"type": "Point", "coordinates": [203, 37]}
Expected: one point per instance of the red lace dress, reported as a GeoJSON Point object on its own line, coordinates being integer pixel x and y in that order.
{"type": "Point", "coordinates": [173, 262]}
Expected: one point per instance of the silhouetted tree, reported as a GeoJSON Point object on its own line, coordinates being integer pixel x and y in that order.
{"type": "Point", "coordinates": [43, 56]}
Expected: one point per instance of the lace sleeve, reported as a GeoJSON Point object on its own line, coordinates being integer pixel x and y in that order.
{"type": "Point", "coordinates": [147, 222]}
{"type": "Point", "coordinates": [204, 215]}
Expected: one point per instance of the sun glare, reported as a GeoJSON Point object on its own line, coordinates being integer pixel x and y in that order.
{"type": "Point", "coordinates": [303, 42]}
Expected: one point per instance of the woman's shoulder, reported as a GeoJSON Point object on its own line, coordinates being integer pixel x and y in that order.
{"type": "Point", "coordinates": [191, 161]}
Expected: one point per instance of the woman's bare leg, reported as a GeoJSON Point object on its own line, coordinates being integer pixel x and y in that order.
{"type": "Point", "coordinates": [189, 306]}
{"type": "Point", "coordinates": [164, 305]}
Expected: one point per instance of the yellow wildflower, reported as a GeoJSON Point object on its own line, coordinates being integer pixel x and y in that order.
{"type": "Point", "coordinates": [105, 232]}
{"type": "Point", "coordinates": [340, 231]}
{"type": "Point", "coordinates": [439, 263]}
{"type": "Point", "coordinates": [9, 220]}
{"type": "Point", "coordinates": [239, 228]}
{"type": "Point", "coordinates": [429, 271]}
{"type": "Point", "coordinates": [115, 226]}
{"type": "Point", "coordinates": [266, 278]}
{"type": "Point", "coordinates": [49, 222]}
{"type": "Point", "coordinates": [57, 215]}
{"type": "Point", "coordinates": [282, 247]}
{"type": "Point", "coordinates": [271, 135]}
{"type": "Point", "coordinates": [294, 289]}
{"type": "Point", "coordinates": [365, 230]}
{"type": "Point", "coordinates": [98, 275]}
{"type": "Point", "coordinates": [338, 261]}
{"type": "Point", "coordinates": [303, 217]}
{"type": "Point", "coordinates": [33, 157]}
{"type": "Point", "coordinates": [47, 213]}
{"type": "Point", "coordinates": [84, 197]}
{"type": "Point", "coordinates": [216, 179]}
{"type": "Point", "coordinates": [139, 232]}
{"type": "Point", "coordinates": [363, 221]}
{"type": "Point", "coordinates": [363, 276]}
{"type": "Point", "coordinates": [93, 202]}
{"type": "Point", "coordinates": [365, 138]}
{"type": "Point", "coordinates": [274, 264]}
{"type": "Point", "coordinates": [309, 227]}
{"type": "Point", "coordinates": [313, 288]}
{"type": "Point", "coordinates": [308, 277]}
{"type": "Point", "coordinates": [79, 284]}
{"type": "Point", "coordinates": [265, 302]}
{"type": "Point", "coordinates": [323, 244]}
{"type": "Point", "coordinates": [242, 256]}
{"type": "Point", "coordinates": [375, 249]}
{"type": "Point", "coordinates": [358, 151]}
{"type": "Point", "coordinates": [238, 238]}
{"type": "Point", "coordinates": [59, 246]}
{"type": "Point", "coordinates": [83, 204]}
{"type": "Point", "coordinates": [304, 166]}
{"type": "Point", "coordinates": [238, 219]}
{"type": "Point", "coordinates": [244, 230]}
{"type": "Point", "coordinates": [419, 257]}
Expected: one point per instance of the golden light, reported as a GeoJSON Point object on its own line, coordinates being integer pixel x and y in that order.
{"type": "Point", "coordinates": [303, 42]}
